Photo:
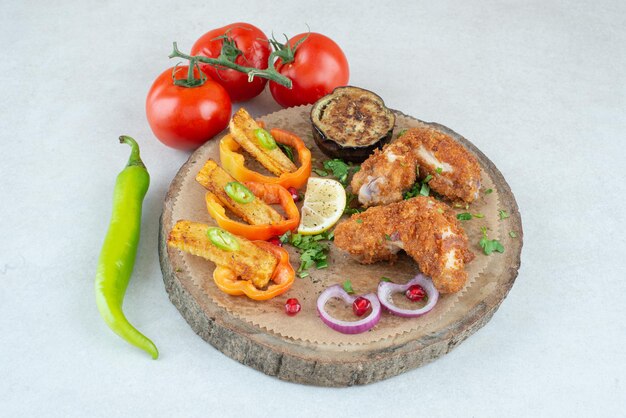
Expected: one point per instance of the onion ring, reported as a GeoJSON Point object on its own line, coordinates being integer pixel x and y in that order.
{"type": "Point", "coordinates": [387, 289]}
{"type": "Point", "coordinates": [348, 327]}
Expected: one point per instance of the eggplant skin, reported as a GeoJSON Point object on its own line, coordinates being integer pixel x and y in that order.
{"type": "Point", "coordinates": [350, 123]}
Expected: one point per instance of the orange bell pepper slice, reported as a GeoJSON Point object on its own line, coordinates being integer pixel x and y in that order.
{"type": "Point", "coordinates": [282, 278]}
{"type": "Point", "coordinates": [233, 162]}
{"type": "Point", "coordinates": [271, 194]}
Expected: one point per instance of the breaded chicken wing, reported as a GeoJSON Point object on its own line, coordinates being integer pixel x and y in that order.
{"type": "Point", "coordinates": [386, 174]}
{"type": "Point", "coordinates": [423, 227]}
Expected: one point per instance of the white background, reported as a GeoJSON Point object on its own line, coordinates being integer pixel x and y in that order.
{"type": "Point", "coordinates": [538, 86]}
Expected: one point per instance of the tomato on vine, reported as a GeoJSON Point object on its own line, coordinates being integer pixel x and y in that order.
{"type": "Point", "coordinates": [185, 108]}
{"type": "Point", "coordinates": [314, 63]}
{"type": "Point", "coordinates": [240, 43]}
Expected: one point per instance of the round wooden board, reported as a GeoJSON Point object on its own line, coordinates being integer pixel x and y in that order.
{"type": "Point", "coordinates": [336, 364]}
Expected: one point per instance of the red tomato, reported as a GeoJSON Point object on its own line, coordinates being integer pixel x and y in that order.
{"type": "Point", "coordinates": [256, 50]}
{"type": "Point", "coordinates": [186, 117]}
{"type": "Point", "coordinates": [318, 67]}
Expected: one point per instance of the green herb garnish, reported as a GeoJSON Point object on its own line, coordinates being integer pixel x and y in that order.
{"type": "Point", "coordinates": [385, 279]}
{"type": "Point", "coordinates": [312, 251]}
{"type": "Point", "coordinates": [320, 172]}
{"type": "Point", "coordinates": [347, 286]}
{"type": "Point", "coordinates": [419, 188]}
{"type": "Point", "coordinates": [478, 215]}
{"type": "Point", "coordinates": [490, 245]}
{"type": "Point", "coordinates": [503, 214]}
{"type": "Point", "coordinates": [339, 169]}
{"type": "Point", "coordinates": [348, 209]}
{"type": "Point", "coordinates": [513, 234]}
{"type": "Point", "coordinates": [465, 216]}
{"type": "Point", "coordinates": [359, 221]}
{"type": "Point", "coordinates": [439, 170]}
{"type": "Point", "coordinates": [402, 132]}
{"type": "Point", "coordinates": [488, 191]}
{"type": "Point", "coordinates": [287, 150]}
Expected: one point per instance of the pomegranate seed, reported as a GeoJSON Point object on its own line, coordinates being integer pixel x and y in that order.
{"type": "Point", "coordinates": [294, 193]}
{"type": "Point", "coordinates": [275, 241]}
{"type": "Point", "coordinates": [415, 293]}
{"type": "Point", "coordinates": [361, 305]}
{"type": "Point", "coordinates": [292, 306]}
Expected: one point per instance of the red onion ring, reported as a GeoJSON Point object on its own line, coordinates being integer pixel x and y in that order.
{"type": "Point", "coordinates": [348, 327]}
{"type": "Point", "coordinates": [387, 289]}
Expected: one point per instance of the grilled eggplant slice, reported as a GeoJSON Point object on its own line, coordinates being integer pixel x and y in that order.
{"type": "Point", "coordinates": [350, 123]}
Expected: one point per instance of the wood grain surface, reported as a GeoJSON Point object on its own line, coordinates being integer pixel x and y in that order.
{"type": "Point", "coordinates": [335, 364]}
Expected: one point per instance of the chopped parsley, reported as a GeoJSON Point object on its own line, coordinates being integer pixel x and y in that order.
{"type": "Point", "coordinates": [513, 234]}
{"type": "Point", "coordinates": [338, 168]}
{"type": "Point", "coordinates": [439, 170]}
{"type": "Point", "coordinates": [503, 214]}
{"type": "Point", "coordinates": [466, 216]}
{"type": "Point", "coordinates": [312, 251]}
{"type": "Point", "coordinates": [359, 221]}
{"type": "Point", "coordinates": [419, 188]}
{"type": "Point", "coordinates": [320, 172]}
{"type": "Point", "coordinates": [402, 132]}
{"type": "Point", "coordinates": [347, 286]}
{"type": "Point", "coordinates": [385, 279]}
{"type": "Point", "coordinates": [349, 209]}
{"type": "Point", "coordinates": [490, 245]}
{"type": "Point", "coordinates": [287, 150]}
{"type": "Point", "coordinates": [387, 237]}
{"type": "Point", "coordinates": [488, 191]}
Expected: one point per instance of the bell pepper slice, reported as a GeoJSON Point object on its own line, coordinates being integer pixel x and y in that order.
{"type": "Point", "coordinates": [234, 163]}
{"type": "Point", "coordinates": [282, 277]}
{"type": "Point", "coordinates": [270, 194]}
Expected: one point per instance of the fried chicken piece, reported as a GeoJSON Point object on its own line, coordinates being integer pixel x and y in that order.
{"type": "Point", "coordinates": [423, 227]}
{"type": "Point", "coordinates": [385, 175]}
{"type": "Point", "coordinates": [424, 151]}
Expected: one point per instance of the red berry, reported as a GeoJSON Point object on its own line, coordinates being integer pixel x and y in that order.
{"type": "Point", "coordinates": [361, 305]}
{"type": "Point", "coordinates": [294, 193]}
{"type": "Point", "coordinates": [292, 306]}
{"type": "Point", "coordinates": [415, 293]}
{"type": "Point", "coordinates": [275, 241]}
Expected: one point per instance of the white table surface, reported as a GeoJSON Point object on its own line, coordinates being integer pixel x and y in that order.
{"type": "Point", "coordinates": [538, 86]}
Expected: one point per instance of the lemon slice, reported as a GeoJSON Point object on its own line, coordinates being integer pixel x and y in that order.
{"type": "Point", "coordinates": [324, 202]}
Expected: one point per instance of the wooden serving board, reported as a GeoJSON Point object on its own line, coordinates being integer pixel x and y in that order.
{"type": "Point", "coordinates": [301, 348]}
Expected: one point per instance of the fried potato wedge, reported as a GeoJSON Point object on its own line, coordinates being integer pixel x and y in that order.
{"type": "Point", "coordinates": [249, 262]}
{"type": "Point", "coordinates": [213, 178]}
{"type": "Point", "coordinates": [242, 128]}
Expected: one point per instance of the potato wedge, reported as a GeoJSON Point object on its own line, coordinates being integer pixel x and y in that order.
{"type": "Point", "coordinates": [213, 178]}
{"type": "Point", "coordinates": [242, 128]}
{"type": "Point", "coordinates": [249, 262]}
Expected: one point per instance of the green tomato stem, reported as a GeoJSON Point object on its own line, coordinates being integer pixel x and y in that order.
{"type": "Point", "coordinates": [223, 62]}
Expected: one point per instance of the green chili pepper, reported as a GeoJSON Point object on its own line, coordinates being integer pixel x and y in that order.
{"type": "Point", "coordinates": [265, 138]}
{"type": "Point", "coordinates": [238, 192]}
{"type": "Point", "coordinates": [117, 257]}
{"type": "Point", "coordinates": [223, 239]}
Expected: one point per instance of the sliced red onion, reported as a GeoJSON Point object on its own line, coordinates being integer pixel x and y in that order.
{"type": "Point", "coordinates": [387, 289]}
{"type": "Point", "coordinates": [348, 327]}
